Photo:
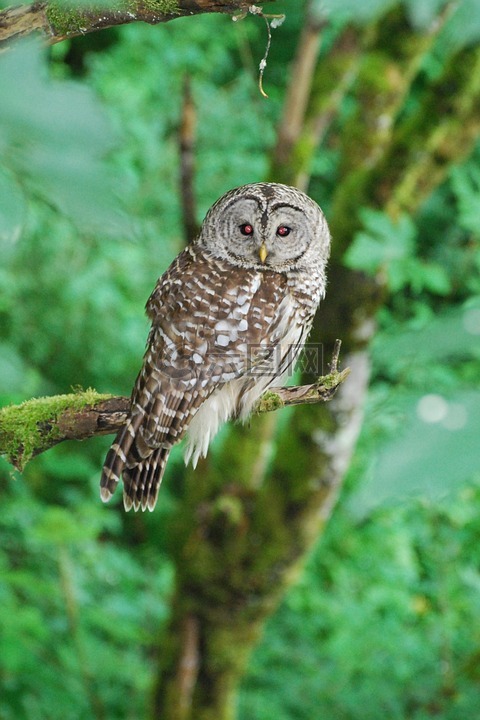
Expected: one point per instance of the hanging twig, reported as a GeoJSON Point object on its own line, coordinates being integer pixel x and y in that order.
{"type": "Point", "coordinates": [275, 21]}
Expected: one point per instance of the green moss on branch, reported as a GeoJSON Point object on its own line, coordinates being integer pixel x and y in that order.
{"type": "Point", "coordinates": [29, 428]}
{"type": "Point", "coordinates": [270, 401]}
{"type": "Point", "coordinates": [67, 19]}
{"type": "Point", "coordinates": [62, 19]}
{"type": "Point", "coordinates": [36, 425]}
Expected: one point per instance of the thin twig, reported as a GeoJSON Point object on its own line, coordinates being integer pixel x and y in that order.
{"type": "Point", "coordinates": [263, 61]}
{"type": "Point", "coordinates": [335, 356]}
{"type": "Point", "coordinates": [275, 21]}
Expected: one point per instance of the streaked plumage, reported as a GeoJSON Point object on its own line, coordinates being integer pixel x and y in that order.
{"type": "Point", "coordinates": [229, 319]}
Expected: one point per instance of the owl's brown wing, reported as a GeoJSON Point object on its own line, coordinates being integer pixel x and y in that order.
{"type": "Point", "coordinates": [165, 392]}
{"type": "Point", "coordinates": [210, 322]}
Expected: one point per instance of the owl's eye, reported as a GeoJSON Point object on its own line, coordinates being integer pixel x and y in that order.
{"type": "Point", "coordinates": [246, 229]}
{"type": "Point", "coordinates": [283, 231]}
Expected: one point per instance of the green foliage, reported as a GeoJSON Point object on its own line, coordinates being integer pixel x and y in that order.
{"type": "Point", "coordinates": [350, 10]}
{"type": "Point", "coordinates": [20, 425]}
{"type": "Point", "coordinates": [382, 624]}
{"type": "Point", "coordinates": [423, 13]}
{"type": "Point", "coordinates": [79, 613]}
{"type": "Point", "coordinates": [55, 152]}
{"type": "Point", "coordinates": [89, 216]}
{"type": "Point", "coordinates": [463, 28]}
{"type": "Point", "coordinates": [12, 208]}
{"type": "Point", "coordinates": [435, 446]}
{"type": "Point", "coordinates": [388, 248]}
{"type": "Point", "coordinates": [466, 187]}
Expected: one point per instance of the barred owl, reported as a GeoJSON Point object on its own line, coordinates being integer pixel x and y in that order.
{"type": "Point", "coordinates": [229, 319]}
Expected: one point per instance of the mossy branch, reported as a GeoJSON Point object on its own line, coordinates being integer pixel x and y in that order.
{"type": "Point", "coordinates": [60, 20]}
{"type": "Point", "coordinates": [36, 425]}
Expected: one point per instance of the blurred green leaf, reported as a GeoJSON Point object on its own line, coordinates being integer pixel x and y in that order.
{"type": "Point", "coordinates": [384, 245]}
{"type": "Point", "coordinates": [383, 241]}
{"type": "Point", "coordinates": [466, 186]}
{"type": "Point", "coordinates": [57, 151]}
{"type": "Point", "coordinates": [349, 10]}
{"type": "Point", "coordinates": [450, 335]}
{"type": "Point", "coordinates": [59, 526]}
{"type": "Point", "coordinates": [388, 248]}
{"type": "Point", "coordinates": [434, 278]}
{"type": "Point", "coordinates": [434, 450]}
{"type": "Point", "coordinates": [12, 211]}
{"type": "Point", "coordinates": [463, 28]}
{"type": "Point", "coordinates": [423, 12]}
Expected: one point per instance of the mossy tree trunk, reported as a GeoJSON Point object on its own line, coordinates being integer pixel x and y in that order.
{"type": "Point", "coordinates": [240, 540]}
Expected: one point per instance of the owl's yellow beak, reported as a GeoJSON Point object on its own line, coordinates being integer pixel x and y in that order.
{"type": "Point", "coordinates": [262, 253]}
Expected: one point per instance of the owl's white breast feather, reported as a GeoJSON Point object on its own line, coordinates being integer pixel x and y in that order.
{"type": "Point", "coordinates": [239, 396]}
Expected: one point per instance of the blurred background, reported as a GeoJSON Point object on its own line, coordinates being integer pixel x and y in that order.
{"type": "Point", "coordinates": [383, 617]}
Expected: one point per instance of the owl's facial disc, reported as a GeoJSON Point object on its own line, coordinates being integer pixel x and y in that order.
{"type": "Point", "coordinates": [287, 236]}
{"type": "Point", "coordinates": [264, 226]}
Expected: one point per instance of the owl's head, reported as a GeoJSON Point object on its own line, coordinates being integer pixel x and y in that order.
{"type": "Point", "coordinates": [267, 226]}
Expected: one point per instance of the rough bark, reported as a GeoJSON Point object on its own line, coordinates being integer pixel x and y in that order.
{"type": "Point", "coordinates": [57, 21]}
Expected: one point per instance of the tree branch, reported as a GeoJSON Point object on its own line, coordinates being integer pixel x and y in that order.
{"type": "Point", "coordinates": [297, 93]}
{"type": "Point", "coordinates": [58, 21]}
{"type": "Point", "coordinates": [36, 425]}
{"type": "Point", "coordinates": [186, 137]}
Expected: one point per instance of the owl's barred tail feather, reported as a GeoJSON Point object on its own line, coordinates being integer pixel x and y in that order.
{"type": "Point", "coordinates": [141, 482]}
{"type": "Point", "coordinates": [142, 471]}
{"type": "Point", "coordinates": [115, 461]}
